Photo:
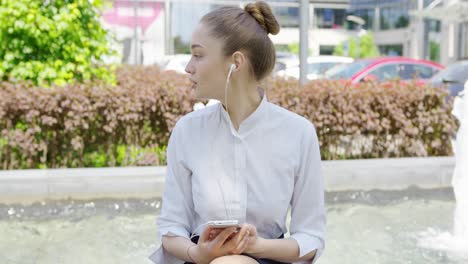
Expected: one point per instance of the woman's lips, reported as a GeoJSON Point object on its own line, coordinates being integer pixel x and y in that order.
{"type": "Point", "coordinates": [194, 84]}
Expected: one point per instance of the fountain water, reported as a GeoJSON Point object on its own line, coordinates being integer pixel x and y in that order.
{"type": "Point", "coordinates": [460, 176]}
{"type": "Point", "coordinates": [456, 243]}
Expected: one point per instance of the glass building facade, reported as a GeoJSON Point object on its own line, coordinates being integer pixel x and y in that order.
{"type": "Point", "coordinates": [383, 14]}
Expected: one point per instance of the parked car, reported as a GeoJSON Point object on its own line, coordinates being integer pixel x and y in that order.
{"type": "Point", "coordinates": [316, 66]}
{"type": "Point", "coordinates": [176, 62]}
{"type": "Point", "coordinates": [453, 77]}
{"type": "Point", "coordinates": [285, 60]}
{"type": "Point", "coordinates": [285, 55]}
{"type": "Point", "coordinates": [384, 69]}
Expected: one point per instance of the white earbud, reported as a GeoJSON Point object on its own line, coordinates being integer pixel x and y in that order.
{"type": "Point", "coordinates": [233, 67]}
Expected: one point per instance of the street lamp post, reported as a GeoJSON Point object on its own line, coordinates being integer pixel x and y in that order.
{"type": "Point", "coordinates": [135, 32]}
{"type": "Point", "coordinates": [303, 41]}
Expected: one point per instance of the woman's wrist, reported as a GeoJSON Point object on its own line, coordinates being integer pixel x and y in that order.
{"type": "Point", "coordinates": [190, 254]}
{"type": "Point", "coordinates": [194, 253]}
{"type": "Point", "coordinates": [198, 256]}
{"type": "Point", "coordinates": [259, 248]}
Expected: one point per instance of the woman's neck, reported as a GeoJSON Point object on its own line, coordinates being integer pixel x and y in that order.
{"type": "Point", "coordinates": [243, 100]}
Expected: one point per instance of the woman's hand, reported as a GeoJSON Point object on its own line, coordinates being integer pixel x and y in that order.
{"type": "Point", "coordinates": [227, 242]}
{"type": "Point", "coordinates": [254, 241]}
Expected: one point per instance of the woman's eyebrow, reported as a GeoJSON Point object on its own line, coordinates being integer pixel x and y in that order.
{"type": "Point", "coordinates": [196, 46]}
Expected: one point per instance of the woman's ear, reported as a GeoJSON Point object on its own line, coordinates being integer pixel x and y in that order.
{"type": "Point", "coordinates": [239, 60]}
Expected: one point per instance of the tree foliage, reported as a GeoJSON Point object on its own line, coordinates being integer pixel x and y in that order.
{"type": "Point", "coordinates": [367, 47]}
{"type": "Point", "coordinates": [53, 41]}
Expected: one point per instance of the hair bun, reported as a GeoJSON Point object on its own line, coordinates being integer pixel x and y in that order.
{"type": "Point", "coordinates": [261, 11]}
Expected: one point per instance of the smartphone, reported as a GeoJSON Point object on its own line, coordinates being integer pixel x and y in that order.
{"type": "Point", "coordinates": [224, 224]}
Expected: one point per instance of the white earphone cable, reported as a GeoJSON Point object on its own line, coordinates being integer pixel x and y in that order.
{"type": "Point", "coordinates": [226, 207]}
{"type": "Point", "coordinates": [233, 66]}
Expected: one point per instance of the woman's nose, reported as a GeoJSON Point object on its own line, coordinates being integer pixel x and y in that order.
{"type": "Point", "coordinates": [189, 68]}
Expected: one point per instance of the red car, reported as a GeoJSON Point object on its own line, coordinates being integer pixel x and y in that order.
{"type": "Point", "coordinates": [384, 69]}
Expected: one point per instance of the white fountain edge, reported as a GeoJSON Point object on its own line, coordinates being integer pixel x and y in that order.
{"type": "Point", "coordinates": [27, 186]}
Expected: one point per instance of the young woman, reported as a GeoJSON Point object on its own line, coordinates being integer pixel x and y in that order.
{"type": "Point", "coordinates": [243, 159]}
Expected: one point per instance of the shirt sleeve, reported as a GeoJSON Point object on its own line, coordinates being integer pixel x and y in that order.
{"type": "Point", "coordinates": [177, 203]}
{"type": "Point", "coordinates": [308, 219]}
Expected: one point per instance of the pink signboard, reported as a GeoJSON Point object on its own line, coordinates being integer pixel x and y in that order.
{"type": "Point", "coordinates": [123, 13]}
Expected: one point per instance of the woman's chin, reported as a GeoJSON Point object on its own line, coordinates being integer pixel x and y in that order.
{"type": "Point", "coordinates": [197, 93]}
{"type": "Point", "coordinates": [200, 95]}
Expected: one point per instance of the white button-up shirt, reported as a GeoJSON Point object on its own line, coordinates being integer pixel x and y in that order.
{"type": "Point", "coordinates": [254, 175]}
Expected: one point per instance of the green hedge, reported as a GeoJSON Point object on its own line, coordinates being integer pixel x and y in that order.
{"type": "Point", "coordinates": [92, 124]}
{"type": "Point", "coordinates": [95, 124]}
{"type": "Point", "coordinates": [372, 120]}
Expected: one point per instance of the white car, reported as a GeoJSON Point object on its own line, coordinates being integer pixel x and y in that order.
{"type": "Point", "coordinates": [285, 61]}
{"type": "Point", "coordinates": [317, 66]}
{"type": "Point", "coordinates": [176, 62]}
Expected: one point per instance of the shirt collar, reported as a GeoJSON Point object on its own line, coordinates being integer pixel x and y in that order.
{"type": "Point", "coordinates": [251, 121]}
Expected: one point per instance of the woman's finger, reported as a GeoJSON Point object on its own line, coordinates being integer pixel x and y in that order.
{"type": "Point", "coordinates": [233, 243]}
{"type": "Point", "coordinates": [241, 246]}
{"type": "Point", "coordinates": [206, 234]}
{"type": "Point", "coordinates": [242, 233]}
{"type": "Point", "coordinates": [224, 235]}
{"type": "Point", "coordinates": [252, 230]}
{"type": "Point", "coordinates": [214, 233]}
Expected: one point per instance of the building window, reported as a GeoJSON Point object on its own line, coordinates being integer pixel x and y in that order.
{"type": "Point", "coordinates": [326, 50]}
{"type": "Point", "coordinates": [391, 50]}
{"type": "Point", "coordinates": [393, 18]}
{"type": "Point", "coordinates": [329, 18]}
{"type": "Point", "coordinates": [366, 14]}
{"type": "Point", "coordinates": [434, 25]}
{"type": "Point", "coordinates": [287, 16]}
